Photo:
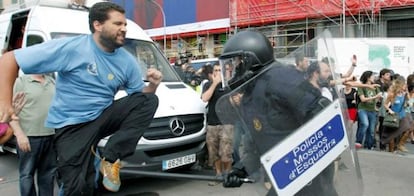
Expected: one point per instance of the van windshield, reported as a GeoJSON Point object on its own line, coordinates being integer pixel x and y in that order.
{"type": "Point", "coordinates": [147, 55]}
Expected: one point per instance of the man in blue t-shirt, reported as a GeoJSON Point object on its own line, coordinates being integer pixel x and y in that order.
{"type": "Point", "coordinates": [91, 69]}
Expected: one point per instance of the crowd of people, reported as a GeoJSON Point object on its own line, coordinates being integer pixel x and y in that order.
{"type": "Point", "coordinates": [393, 95]}
{"type": "Point", "coordinates": [368, 99]}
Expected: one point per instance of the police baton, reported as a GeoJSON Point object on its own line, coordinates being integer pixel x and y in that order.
{"type": "Point", "coordinates": [181, 176]}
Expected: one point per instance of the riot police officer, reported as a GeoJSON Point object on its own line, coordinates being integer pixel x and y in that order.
{"type": "Point", "coordinates": [277, 99]}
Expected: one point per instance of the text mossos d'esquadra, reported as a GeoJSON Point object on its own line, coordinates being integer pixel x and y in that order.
{"type": "Point", "coordinates": [309, 152]}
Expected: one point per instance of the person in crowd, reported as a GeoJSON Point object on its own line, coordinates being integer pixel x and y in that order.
{"type": "Point", "coordinates": [83, 110]}
{"type": "Point", "coordinates": [190, 77]}
{"type": "Point", "coordinates": [367, 114]}
{"type": "Point", "coordinates": [351, 103]}
{"type": "Point", "coordinates": [19, 99]}
{"type": "Point", "coordinates": [344, 79]}
{"type": "Point", "coordinates": [384, 81]}
{"type": "Point", "coordinates": [396, 103]}
{"type": "Point", "coordinates": [219, 136]}
{"type": "Point", "coordinates": [348, 78]}
{"type": "Point", "coordinates": [318, 74]}
{"type": "Point", "coordinates": [205, 73]}
{"type": "Point", "coordinates": [6, 132]}
{"type": "Point", "coordinates": [351, 69]}
{"type": "Point", "coordinates": [410, 88]}
{"type": "Point", "coordinates": [37, 157]}
{"type": "Point", "coordinates": [177, 67]}
{"type": "Point", "coordinates": [200, 41]}
{"type": "Point", "coordinates": [302, 63]}
{"type": "Point", "coordinates": [18, 40]}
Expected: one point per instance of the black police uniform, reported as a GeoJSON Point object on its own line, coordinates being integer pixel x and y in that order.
{"type": "Point", "coordinates": [275, 104]}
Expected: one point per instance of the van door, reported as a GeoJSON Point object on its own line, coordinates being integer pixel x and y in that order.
{"type": "Point", "coordinates": [12, 27]}
{"type": "Point", "coordinates": [5, 29]}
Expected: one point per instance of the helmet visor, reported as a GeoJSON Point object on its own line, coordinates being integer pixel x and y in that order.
{"type": "Point", "coordinates": [229, 67]}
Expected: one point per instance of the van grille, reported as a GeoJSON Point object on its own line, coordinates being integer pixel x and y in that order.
{"type": "Point", "coordinates": [160, 127]}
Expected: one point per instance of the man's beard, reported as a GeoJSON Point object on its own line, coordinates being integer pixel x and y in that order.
{"type": "Point", "coordinates": [110, 42]}
{"type": "Point", "coordinates": [323, 82]}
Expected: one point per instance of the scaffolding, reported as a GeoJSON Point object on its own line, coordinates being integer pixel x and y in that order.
{"type": "Point", "coordinates": [291, 23]}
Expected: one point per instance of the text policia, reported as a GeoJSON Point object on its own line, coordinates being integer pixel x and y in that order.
{"type": "Point", "coordinates": [310, 151]}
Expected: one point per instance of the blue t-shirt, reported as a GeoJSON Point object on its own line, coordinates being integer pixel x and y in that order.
{"type": "Point", "coordinates": [88, 77]}
{"type": "Point", "coordinates": [398, 106]}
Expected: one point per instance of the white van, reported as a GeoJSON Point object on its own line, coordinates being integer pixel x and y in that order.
{"type": "Point", "coordinates": [176, 136]}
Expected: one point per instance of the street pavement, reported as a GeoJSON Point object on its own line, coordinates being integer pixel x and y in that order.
{"type": "Point", "coordinates": [387, 173]}
{"type": "Point", "coordinates": [383, 174]}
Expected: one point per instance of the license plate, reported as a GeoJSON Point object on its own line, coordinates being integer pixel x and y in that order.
{"type": "Point", "coordinates": [177, 162]}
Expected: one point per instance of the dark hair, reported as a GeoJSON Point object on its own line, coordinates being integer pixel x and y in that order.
{"type": "Point", "coordinates": [328, 60]}
{"type": "Point", "coordinates": [313, 67]}
{"type": "Point", "coordinates": [384, 71]}
{"type": "Point", "coordinates": [99, 12]}
{"type": "Point", "coordinates": [410, 87]}
{"type": "Point", "coordinates": [206, 69]}
{"type": "Point", "coordinates": [410, 79]}
{"type": "Point", "coordinates": [365, 76]}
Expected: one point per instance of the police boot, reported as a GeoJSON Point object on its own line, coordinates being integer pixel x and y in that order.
{"type": "Point", "coordinates": [401, 144]}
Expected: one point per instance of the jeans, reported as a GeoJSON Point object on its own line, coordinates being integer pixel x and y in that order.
{"type": "Point", "coordinates": [366, 128]}
{"type": "Point", "coordinates": [41, 159]}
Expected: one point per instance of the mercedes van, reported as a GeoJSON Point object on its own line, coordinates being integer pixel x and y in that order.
{"type": "Point", "coordinates": [176, 136]}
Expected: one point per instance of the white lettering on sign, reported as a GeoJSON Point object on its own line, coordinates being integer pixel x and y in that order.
{"type": "Point", "coordinates": [309, 152]}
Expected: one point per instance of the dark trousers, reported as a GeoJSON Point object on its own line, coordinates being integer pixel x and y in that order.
{"type": "Point", "coordinates": [380, 132]}
{"type": "Point", "coordinates": [41, 159]}
{"type": "Point", "coordinates": [126, 119]}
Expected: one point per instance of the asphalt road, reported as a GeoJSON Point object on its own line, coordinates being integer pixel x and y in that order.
{"type": "Point", "coordinates": [383, 173]}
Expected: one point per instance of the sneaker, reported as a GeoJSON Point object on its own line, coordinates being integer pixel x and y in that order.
{"type": "Point", "coordinates": [402, 149]}
{"type": "Point", "coordinates": [110, 172]}
{"type": "Point", "coordinates": [358, 145]}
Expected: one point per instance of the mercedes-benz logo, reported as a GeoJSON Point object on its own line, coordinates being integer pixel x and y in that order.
{"type": "Point", "coordinates": [177, 126]}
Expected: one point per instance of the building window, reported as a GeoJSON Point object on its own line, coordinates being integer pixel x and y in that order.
{"type": "Point", "coordinates": [400, 28]}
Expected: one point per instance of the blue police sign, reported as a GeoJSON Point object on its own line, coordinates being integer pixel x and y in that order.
{"type": "Point", "coordinates": [309, 152]}
{"type": "Point", "coordinates": [295, 161]}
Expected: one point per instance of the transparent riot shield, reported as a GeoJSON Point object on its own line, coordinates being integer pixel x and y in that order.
{"type": "Point", "coordinates": [294, 128]}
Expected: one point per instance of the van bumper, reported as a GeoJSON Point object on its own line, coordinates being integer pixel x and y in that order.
{"type": "Point", "coordinates": [151, 157]}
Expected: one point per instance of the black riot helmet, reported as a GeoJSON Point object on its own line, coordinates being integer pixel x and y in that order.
{"type": "Point", "coordinates": [244, 54]}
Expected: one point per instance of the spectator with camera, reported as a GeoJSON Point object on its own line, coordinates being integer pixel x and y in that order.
{"type": "Point", "coordinates": [191, 77]}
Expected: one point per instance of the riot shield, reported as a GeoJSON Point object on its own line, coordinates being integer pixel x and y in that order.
{"type": "Point", "coordinates": [295, 137]}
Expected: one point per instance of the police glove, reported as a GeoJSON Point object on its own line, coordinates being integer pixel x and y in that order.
{"type": "Point", "coordinates": [241, 173]}
{"type": "Point", "coordinates": [231, 180]}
